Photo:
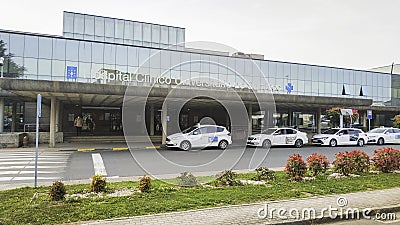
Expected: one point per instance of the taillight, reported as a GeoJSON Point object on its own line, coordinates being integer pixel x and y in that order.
{"type": "Point", "coordinates": [229, 134]}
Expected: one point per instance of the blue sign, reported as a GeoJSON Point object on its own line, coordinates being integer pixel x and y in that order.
{"type": "Point", "coordinates": [289, 87]}
{"type": "Point", "coordinates": [213, 139]}
{"type": "Point", "coordinates": [369, 114]}
{"type": "Point", "coordinates": [72, 72]}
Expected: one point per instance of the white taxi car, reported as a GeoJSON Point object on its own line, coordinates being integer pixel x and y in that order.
{"type": "Point", "coordinates": [278, 136]}
{"type": "Point", "coordinates": [384, 135]}
{"type": "Point", "coordinates": [201, 136]}
{"type": "Point", "coordinates": [341, 136]}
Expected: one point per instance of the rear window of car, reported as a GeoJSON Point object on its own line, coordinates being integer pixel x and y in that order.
{"type": "Point", "coordinates": [220, 129]}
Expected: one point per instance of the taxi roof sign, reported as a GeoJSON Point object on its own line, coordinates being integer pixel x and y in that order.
{"type": "Point", "coordinates": [346, 112]}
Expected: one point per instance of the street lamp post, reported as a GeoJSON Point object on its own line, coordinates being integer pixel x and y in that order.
{"type": "Point", "coordinates": [1, 65]}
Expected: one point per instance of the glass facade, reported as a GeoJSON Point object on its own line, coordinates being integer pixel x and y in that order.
{"type": "Point", "coordinates": [106, 50]}
{"type": "Point", "coordinates": [104, 29]}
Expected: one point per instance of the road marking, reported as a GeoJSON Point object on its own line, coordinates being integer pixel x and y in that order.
{"type": "Point", "coordinates": [85, 149]}
{"type": "Point", "coordinates": [152, 147]}
{"type": "Point", "coordinates": [26, 172]}
{"type": "Point", "coordinates": [98, 164]}
{"type": "Point", "coordinates": [120, 149]}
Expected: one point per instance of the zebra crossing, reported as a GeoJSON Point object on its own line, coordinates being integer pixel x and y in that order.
{"type": "Point", "coordinates": [16, 166]}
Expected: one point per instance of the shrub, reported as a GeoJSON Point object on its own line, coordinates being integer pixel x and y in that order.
{"type": "Point", "coordinates": [187, 179]}
{"type": "Point", "coordinates": [263, 173]}
{"type": "Point", "coordinates": [228, 178]}
{"type": "Point", "coordinates": [145, 184]}
{"type": "Point", "coordinates": [295, 167]}
{"type": "Point", "coordinates": [57, 191]}
{"type": "Point", "coordinates": [351, 162]}
{"type": "Point", "coordinates": [317, 163]}
{"type": "Point", "coordinates": [98, 184]}
{"type": "Point", "coordinates": [396, 121]}
{"type": "Point", "coordinates": [386, 159]}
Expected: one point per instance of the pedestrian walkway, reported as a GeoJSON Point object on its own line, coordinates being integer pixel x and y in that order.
{"type": "Point", "coordinates": [19, 166]}
{"type": "Point", "coordinates": [267, 213]}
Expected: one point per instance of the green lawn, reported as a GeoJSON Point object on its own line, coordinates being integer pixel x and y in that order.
{"type": "Point", "coordinates": [17, 206]}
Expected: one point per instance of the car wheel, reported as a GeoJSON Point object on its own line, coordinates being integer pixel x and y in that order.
{"type": "Point", "coordinates": [333, 143]}
{"type": "Point", "coordinates": [223, 145]}
{"type": "Point", "coordinates": [298, 143]}
{"type": "Point", "coordinates": [381, 141]}
{"type": "Point", "coordinates": [266, 144]}
{"type": "Point", "coordinates": [360, 142]}
{"type": "Point", "coordinates": [185, 145]}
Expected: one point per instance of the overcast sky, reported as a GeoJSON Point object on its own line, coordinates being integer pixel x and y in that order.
{"type": "Point", "coordinates": [359, 34]}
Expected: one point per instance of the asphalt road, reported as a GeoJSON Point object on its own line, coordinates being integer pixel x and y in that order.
{"type": "Point", "coordinates": [18, 167]}
{"type": "Point", "coordinates": [81, 165]}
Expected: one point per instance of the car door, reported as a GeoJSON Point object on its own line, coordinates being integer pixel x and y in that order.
{"type": "Point", "coordinates": [290, 136]}
{"type": "Point", "coordinates": [353, 137]}
{"type": "Point", "coordinates": [279, 137]}
{"type": "Point", "coordinates": [396, 133]}
{"type": "Point", "coordinates": [211, 137]}
{"type": "Point", "coordinates": [196, 137]}
{"type": "Point", "coordinates": [343, 137]}
{"type": "Point", "coordinates": [390, 136]}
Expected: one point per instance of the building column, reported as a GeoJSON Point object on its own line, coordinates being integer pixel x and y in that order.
{"type": "Point", "coordinates": [151, 119]}
{"type": "Point", "coordinates": [52, 141]}
{"type": "Point", "coordinates": [57, 116]}
{"type": "Point", "coordinates": [318, 120]}
{"type": "Point", "coordinates": [14, 116]}
{"type": "Point", "coordinates": [290, 117]}
{"type": "Point", "coordinates": [250, 118]}
{"type": "Point", "coordinates": [164, 113]}
{"type": "Point", "coordinates": [1, 114]}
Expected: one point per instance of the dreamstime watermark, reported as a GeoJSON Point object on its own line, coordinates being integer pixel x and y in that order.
{"type": "Point", "coordinates": [340, 210]}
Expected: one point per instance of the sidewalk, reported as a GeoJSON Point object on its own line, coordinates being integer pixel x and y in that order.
{"type": "Point", "coordinates": [385, 200]}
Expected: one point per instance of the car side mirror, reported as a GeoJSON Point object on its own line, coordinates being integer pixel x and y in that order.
{"type": "Point", "coordinates": [195, 133]}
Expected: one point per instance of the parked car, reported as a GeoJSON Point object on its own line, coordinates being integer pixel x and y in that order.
{"type": "Point", "coordinates": [201, 136]}
{"type": "Point", "coordinates": [341, 136]}
{"type": "Point", "coordinates": [278, 136]}
{"type": "Point", "coordinates": [384, 135]}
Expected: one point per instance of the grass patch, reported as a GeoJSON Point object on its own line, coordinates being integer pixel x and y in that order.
{"type": "Point", "coordinates": [18, 207]}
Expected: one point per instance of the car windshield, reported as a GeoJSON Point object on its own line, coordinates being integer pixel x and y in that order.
{"type": "Point", "coordinates": [269, 131]}
{"type": "Point", "coordinates": [377, 130]}
{"type": "Point", "coordinates": [331, 131]}
{"type": "Point", "coordinates": [188, 130]}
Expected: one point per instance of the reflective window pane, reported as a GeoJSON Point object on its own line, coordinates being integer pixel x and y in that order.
{"type": "Point", "coordinates": [109, 54]}
{"type": "Point", "coordinates": [68, 22]}
{"type": "Point", "coordinates": [31, 46]}
{"type": "Point", "coordinates": [137, 31]}
{"type": "Point", "coordinates": [45, 47]}
{"type": "Point", "coordinates": [59, 49]}
{"type": "Point", "coordinates": [119, 29]}
{"type": "Point", "coordinates": [16, 46]}
{"type": "Point", "coordinates": [97, 53]}
{"type": "Point", "coordinates": [79, 24]}
{"type": "Point", "coordinates": [146, 32]}
{"type": "Point", "coordinates": [30, 65]}
{"type": "Point", "coordinates": [85, 51]}
{"type": "Point", "coordinates": [89, 25]}
{"type": "Point", "coordinates": [128, 32]}
{"type": "Point", "coordinates": [109, 27]}
{"type": "Point", "coordinates": [44, 67]}
{"type": "Point", "coordinates": [99, 26]}
{"type": "Point", "coordinates": [72, 50]}
{"type": "Point", "coordinates": [57, 68]}
{"type": "Point", "coordinates": [122, 55]}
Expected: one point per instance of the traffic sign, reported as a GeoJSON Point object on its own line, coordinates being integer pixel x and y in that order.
{"type": "Point", "coordinates": [369, 114]}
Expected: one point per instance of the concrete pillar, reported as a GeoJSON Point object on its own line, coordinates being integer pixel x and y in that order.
{"type": "Point", "coordinates": [151, 119]}
{"type": "Point", "coordinates": [164, 114]}
{"type": "Point", "coordinates": [58, 116]}
{"type": "Point", "coordinates": [52, 137]}
{"type": "Point", "coordinates": [1, 114]}
{"type": "Point", "coordinates": [14, 116]}
{"type": "Point", "coordinates": [250, 114]}
{"type": "Point", "coordinates": [227, 122]}
{"type": "Point", "coordinates": [290, 117]}
{"type": "Point", "coordinates": [318, 120]}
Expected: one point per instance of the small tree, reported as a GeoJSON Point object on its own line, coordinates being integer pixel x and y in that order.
{"type": "Point", "coordinates": [295, 167]}
{"type": "Point", "coordinates": [333, 115]}
{"type": "Point", "coordinates": [396, 121]}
